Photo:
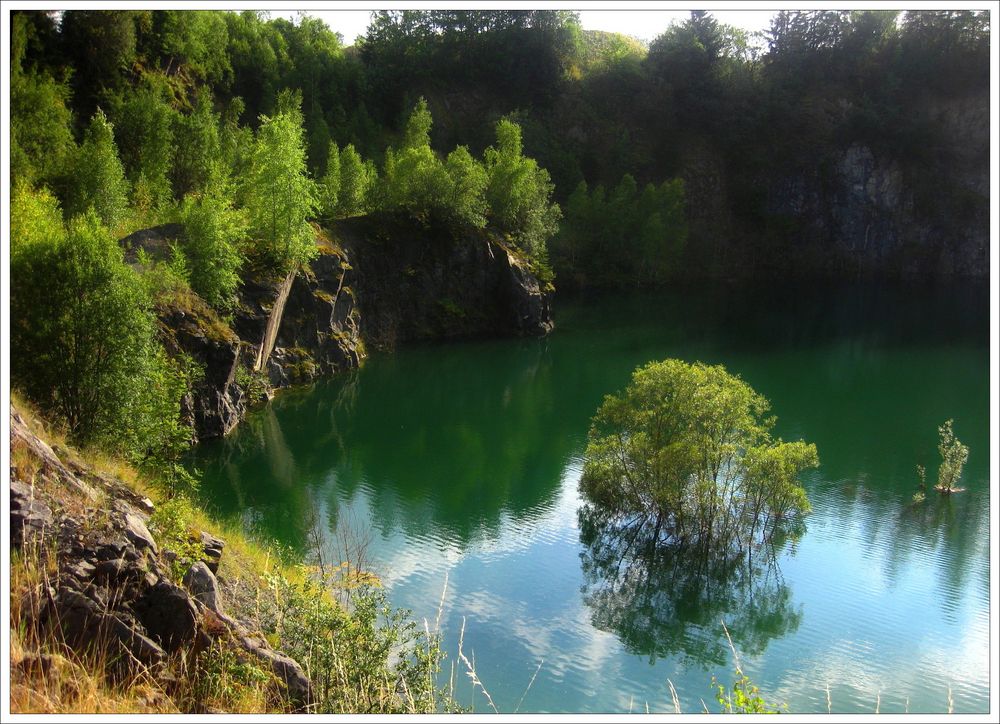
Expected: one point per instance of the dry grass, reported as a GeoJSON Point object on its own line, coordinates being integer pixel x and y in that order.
{"type": "Point", "coordinates": [49, 677]}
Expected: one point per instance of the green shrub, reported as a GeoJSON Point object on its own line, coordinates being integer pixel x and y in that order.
{"type": "Point", "coordinates": [953, 457]}
{"type": "Point", "coordinates": [686, 453]}
{"type": "Point", "coordinates": [365, 658]}
{"type": "Point", "coordinates": [83, 335]}
{"type": "Point", "coordinates": [213, 231]}
{"type": "Point", "coordinates": [171, 523]}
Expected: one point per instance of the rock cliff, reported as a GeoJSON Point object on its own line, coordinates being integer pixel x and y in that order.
{"type": "Point", "coordinates": [418, 282]}
{"type": "Point", "coordinates": [379, 281]}
{"type": "Point", "coordinates": [855, 206]}
{"type": "Point", "coordinates": [109, 586]}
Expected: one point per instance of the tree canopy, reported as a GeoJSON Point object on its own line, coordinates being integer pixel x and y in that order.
{"type": "Point", "coordinates": [686, 452]}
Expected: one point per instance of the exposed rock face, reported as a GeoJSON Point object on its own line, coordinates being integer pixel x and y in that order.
{"type": "Point", "coordinates": [201, 582]}
{"type": "Point", "coordinates": [168, 614]}
{"type": "Point", "coordinates": [319, 332]}
{"type": "Point", "coordinates": [850, 207]}
{"type": "Point", "coordinates": [216, 403]}
{"type": "Point", "coordinates": [417, 282]}
{"type": "Point", "coordinates": [385, 280]}
{"type": "Point", "coordinates": [28, 517]}
{"type": "Point", "coordinates": [111, 593]}
{"type": "Point", "coordinates": [212, 547]}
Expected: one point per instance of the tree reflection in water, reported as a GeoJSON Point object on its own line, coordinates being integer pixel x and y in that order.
{"type": "Point", "coordinates": [666, 600]}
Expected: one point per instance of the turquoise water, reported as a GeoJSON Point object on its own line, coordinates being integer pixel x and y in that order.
{"type": "Point", "coordinates": [459, 463]}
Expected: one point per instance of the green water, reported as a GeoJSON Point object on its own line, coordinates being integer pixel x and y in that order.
{"type": "Point", "coordinates": [460, 462]}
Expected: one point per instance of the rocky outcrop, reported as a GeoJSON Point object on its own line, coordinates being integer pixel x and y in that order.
{"type": "Point", "coordinates": [852, 203]}
{"type": "Point", "coordinates": [320, 329]}
{"type": "Point", "coordinates": [216, 401]}
{"type": "Point", "coordinates": [111, 593]}
{"type": "Point", "coordinates": [417, 281]}
{"type": "Point", "coordinates": [865, 209]}
{"type": "Point", "coordinates": [383, 280]}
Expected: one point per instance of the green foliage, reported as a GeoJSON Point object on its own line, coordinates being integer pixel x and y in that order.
{"type": "Point", "coordinates": [83, 343]}
{"type": "Point", "coordinates": [329, 185]}
{"type": "Point", "coordinates": [35, 221]}
{"type": "Point", "coordinates": [144, 131]}
{"type": "Point", "coordinates": [172, 524]}
{"type": "Point", "coordinates": [279, 195]}
{"type": "Point", "coordinates": [467, 198]}
{"type": "Point", "coordinates": [197, 40]}
{"type": "Point", "coordinates": [255, 384]}
{"type": "Point", "coordinates": [519, 193]}
{"type": "Point", "coordinates": [259, 58]}
{"type": "Point", "coordinates": [921, 494]}
{"type": "Point", "coordinates": [362, 658]}
{"type": "Point", "coordinates": [625, 236]}
{"type": "Point", "coordinates": [40, 119]}
{"type": "Point", "coordinates": [198, 164]}
{"type": "Point", "coordinates": [213, 231]}
{"type": "Point", "coordinates": [953, 457]}
{"type": "Point", "coordinates": [101, 45]}
{"type": "Point", "coordinates": [357, 183]}
{"type": "Point", "coordinates": [743, 697]}
{"type": "Point", "coordinates": [686, 451]}
{"type": "Point", "coordinates": [235, 141]}
{"type": "Point", "coordinates": [221, 674]}
{"type": "Point", "coordinates": [99, 179]}
{"type": "Point", "coordinates": [414, 178]}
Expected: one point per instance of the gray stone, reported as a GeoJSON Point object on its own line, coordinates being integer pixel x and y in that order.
{"type": "Point", "coordinates": [168, 614]}
{"type": "Point", "coordinates": [287, 670]}
{"type": "Point", "coordinates": [212, 547]}
{"type": "Point", "coordinates": [203, 585]}
{"type": "Point", "coordinates": [137, 532]}
{"type": "Point", "coordinates": [28, 515]}
{"type": "Point", "coordinates": [81, 570]}
{"type": "Point", "coordinates": [85, 625]}
{"type": "Point", "coordinates": [106, 550]}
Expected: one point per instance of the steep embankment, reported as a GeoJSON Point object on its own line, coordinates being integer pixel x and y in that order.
{"type": "Point", "coordinates": [375, 282]}
{"type": "Point", "coordinates": [853, 206]}
{"type": "Point", "coordinates": [119, 604]}
{"type": "Point", "coordinates": [419, 282]}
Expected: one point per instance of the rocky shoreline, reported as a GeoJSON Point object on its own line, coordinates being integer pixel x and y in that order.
{"type": "Point", "coordinates": [109, 590]}
{"type": "Point", "coordinates": [376, 282]}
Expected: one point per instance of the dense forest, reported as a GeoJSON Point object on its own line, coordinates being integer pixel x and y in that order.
{"type": "Point", "coordinates": [207, 206]}
{"type": "Point", "coordinates": [832, 145]}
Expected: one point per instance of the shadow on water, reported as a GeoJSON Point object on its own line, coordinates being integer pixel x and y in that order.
{"type": "Point", "coordinates": [663, 601]}
{"type": "Point", "coordinates": [453, 442]}
{"type": "Point", "coordinates": [444, 451]}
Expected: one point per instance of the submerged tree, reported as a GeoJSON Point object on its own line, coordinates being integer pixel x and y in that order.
{"type": "Point", "coordinates": [685, 456]}
{"type": "Point", "coordinates": [953, 457]}
{"type": "Point", "coordinates": [665, 601]}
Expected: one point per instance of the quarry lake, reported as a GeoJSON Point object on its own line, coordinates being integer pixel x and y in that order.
{"type": "Point", "coordinates": [459, 463]}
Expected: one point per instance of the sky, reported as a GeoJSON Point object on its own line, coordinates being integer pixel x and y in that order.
{"type": "Point", "coordinates": [642, 24]}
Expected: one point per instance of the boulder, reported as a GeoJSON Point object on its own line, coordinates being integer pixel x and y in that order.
{"type": "Point", "coordinates": [28, 516]}
{"type": "Point", "coordinates": [85, 625]}
{"type": "Point", "coordinates": [168, 614]}
{"type": "Point", "coordinates": [212, 547]}
{"type": "Point", "coordinates": [137, 532]}
{"type": "Point", "coordinates": [202, 584]}
{"type": "Point", "coordinates": [285, 668]}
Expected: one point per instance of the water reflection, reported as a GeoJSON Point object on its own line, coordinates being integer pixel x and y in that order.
{"type": "Point", "coordinates": [662, 601]}
{"type": "Point", "coordinates": [460, 459]}
{"type": "Point", "coordinates": [448, 443]}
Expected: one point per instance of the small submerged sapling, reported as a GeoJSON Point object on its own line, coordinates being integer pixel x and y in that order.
{"type": "Point", "coordinates": [953, 457]}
